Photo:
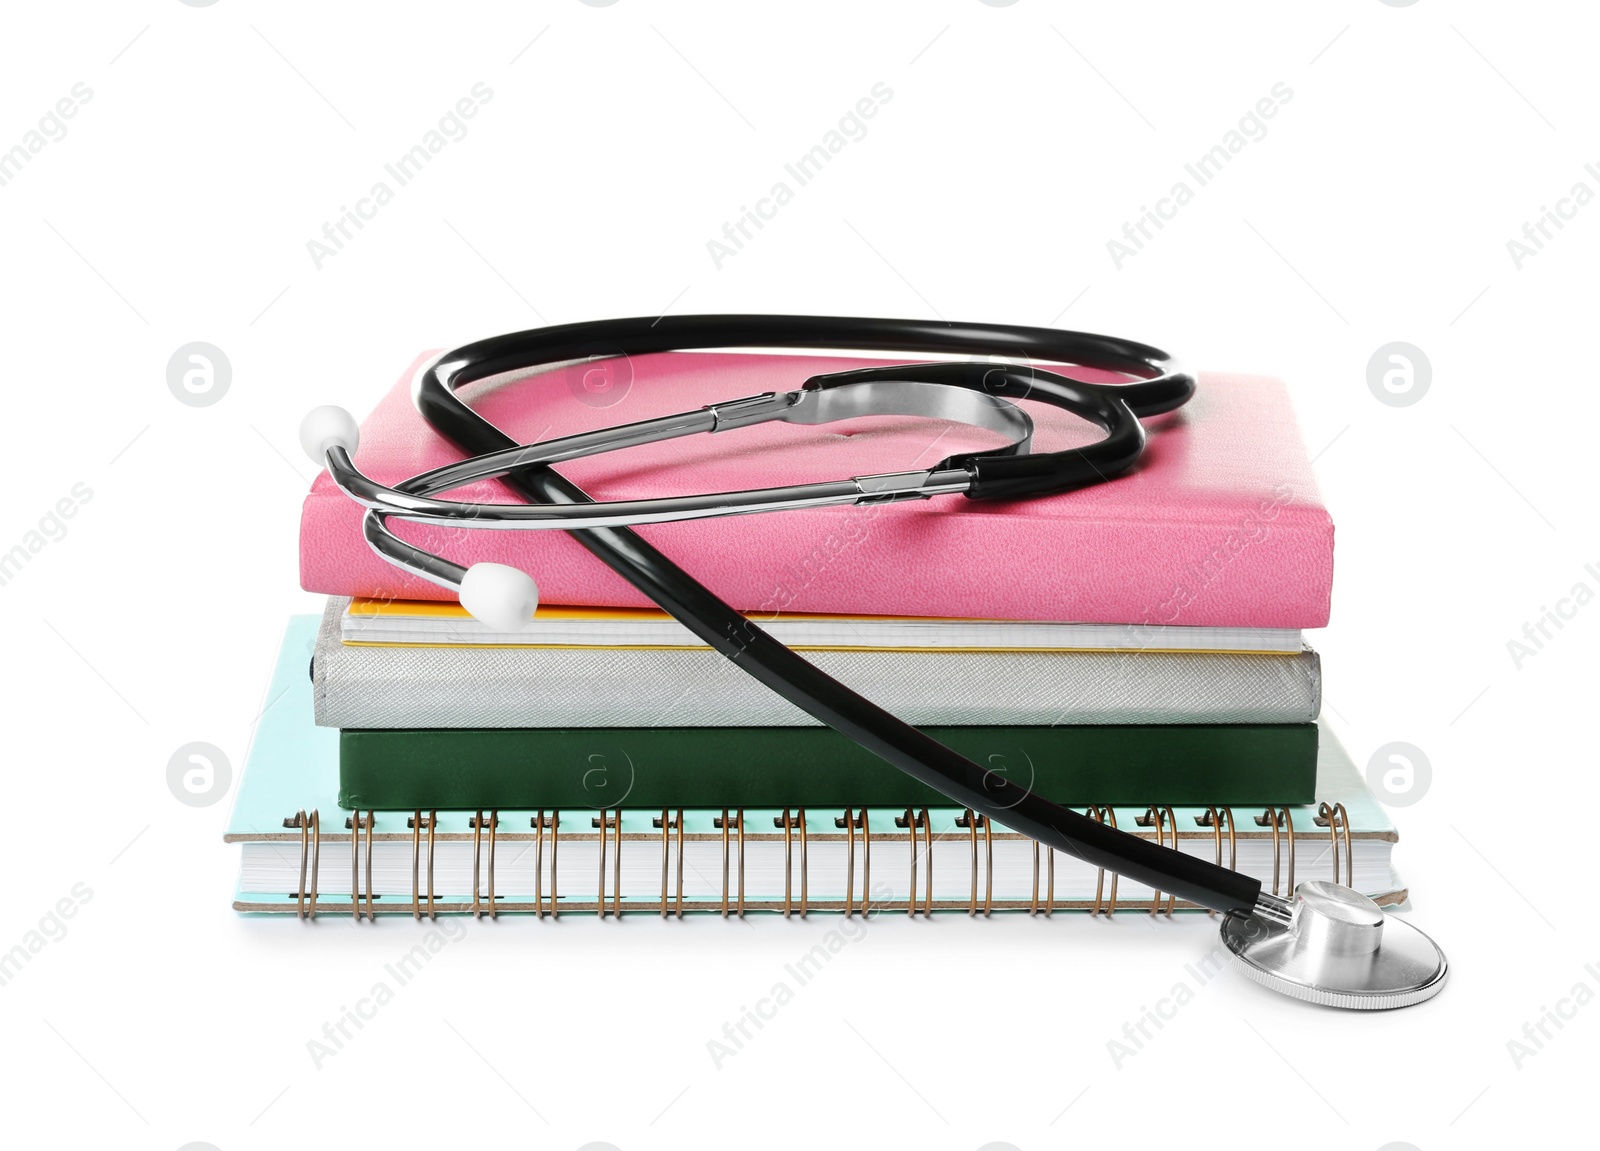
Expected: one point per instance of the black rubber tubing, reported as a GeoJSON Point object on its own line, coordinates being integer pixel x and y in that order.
{"type": "Point", "coordinates": [727, 631]}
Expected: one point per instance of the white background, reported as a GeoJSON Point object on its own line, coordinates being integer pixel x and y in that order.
{"type": "Point", "coordinates": [1019, 140]}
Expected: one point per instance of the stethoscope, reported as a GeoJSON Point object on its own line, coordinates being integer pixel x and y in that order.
{"type": "Point", "coordinates": [1328, 944]}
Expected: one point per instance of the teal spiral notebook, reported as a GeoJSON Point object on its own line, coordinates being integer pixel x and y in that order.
{"type": "Point", "coordinates": [303, 854]}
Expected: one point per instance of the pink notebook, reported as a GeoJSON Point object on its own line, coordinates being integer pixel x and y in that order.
{"type": "Point", "coordinates": [1221, 525]}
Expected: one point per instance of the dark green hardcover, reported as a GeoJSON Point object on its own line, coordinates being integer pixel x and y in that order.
{"type": "Point", "coordinates": [761, 767]}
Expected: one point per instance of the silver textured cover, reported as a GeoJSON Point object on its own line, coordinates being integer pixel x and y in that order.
{"type": "Point", "coordinates": [402, 687]}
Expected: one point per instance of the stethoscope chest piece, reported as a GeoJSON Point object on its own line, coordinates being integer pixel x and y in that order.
{"type": "Point", "coordinates": [1335, 947]}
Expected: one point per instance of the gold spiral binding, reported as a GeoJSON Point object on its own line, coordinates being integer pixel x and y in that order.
{"type": "Point", "coordinates": [352, 823]}
{"type": "Point", "coordinates": [610, 821]}
{"type": "Point", "coordinates": [1289, 850]}
{"type": "Point", "coordinates": [1160, 817]}
{"type": "Point", "coordinates": [494, 828]}
{"type": "Point", "coordinates": [1270, 818]}
{"type": "Point", "coordinates": [965, 820]}
{"type": "Point", "coordinates": [866, 863]}
{"type": "Point", "coordinates": [789, 823]}
{"type": "Point", "coordinates": [722, 825]}
{"type": "Point", "coordinates": [478, 823]}
{"type": "Point", "coordinates": [1349, 858]}
{"type": "Point", "coordinates": [310, 851]}
{"type": "Point", "coordinates": [477, 833]}
{"type": "Point", "coordinates": [850, 822]}
{"type": "Point", "coordinates": [537, 823]}
{"type": "Point", "coordinates": [972, 822]}
{"type": "Point", "coordinates": [1104, 815]}
{"type": "Point", "coordinates": [1344, 832]}
{"type": "Point", "coordinates": [1050, 883]}
{"type": "Point", "coordinates": [927, 863]}
{"type": "Point", "coordinates": [737, 824]}
{"type": "Point", "coordinates": [600, 890]}
{"type": "Point", "coordinates": [1337, 819]}
{"type": "Point", "coordinates": [355, 823]}
{"type": "Point", "coordinates": [666, 829]}
{"type": "Point", "coordinates": [417, 822]}
{"type": "Point", "coordinates": [909, 821]}
{"type": "Point", "coordinates": [1272, 814]}
{"type": "Point", "coordinates": [740, 817]}
{"type": "Point", "coordinates": [541, 825]}
{"type": "Point", "coordinates": [1214, 818]}
{"type": "Point", "coordinates": [916, 822]}
{"type": "Point", "coordinates": [667, 824]}
{"type": "Point", "coordinates": [988, 866]}
{"type": "Point", "coordinates": [804, 865]}
{"type": "Point", "coordinates": [1033, 901]}
{"type": "Point", "coordinates": [788, 863]}
{"type": "Point", "coordinates": [786, 822]}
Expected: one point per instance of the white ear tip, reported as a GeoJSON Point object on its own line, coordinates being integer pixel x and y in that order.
{"type": "Point", "coordinates": [326, 427]}
{"type": "Point", "coordinates": [502, 597]}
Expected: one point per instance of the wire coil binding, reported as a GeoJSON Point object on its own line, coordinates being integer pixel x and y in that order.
{"type": "Point", "coordinates": [310, 852]}
{"type": "Point", "coordinates": [1337, 820]}
{"type": "Point", "coordinates": [669, 824]}
{"type": "Point", "coordinates": [913, 822]}
{"type": "Point", "coordinates": [851, 824]}
{"type": "Point", "coordinates": [416, 823]}
{"type": "Point", "coordinates": [1103, 815]}
{"type": "Point", "coordinates": [1271, 818]}
{"type": "Point", "coordinates": [478, 822]}
{"type": "Point", "coordinates": [611, 821]}
{"type": "Point", "coordinates": [724, 824]}
{"type": "Point", "coordinates": [355, 822]}
{"type": "Point", "coordinates": [1161, 817]}
{"type": "Point", "coordinates": [973, 822]}
{"type": "Point", "coordinates": [790, 824]}
{"type": "Point", "coordinates": [1158, 822]}
{"type": "Point", "coordinates": [543, 825]}
{"type": "Point", "coordinates": [1214, 818]}
{"type": "Point", "coordinates": [1050, 882]}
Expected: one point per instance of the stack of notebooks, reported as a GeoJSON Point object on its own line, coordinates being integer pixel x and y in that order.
{"type": "Point", "coordinates": [1135, 650]}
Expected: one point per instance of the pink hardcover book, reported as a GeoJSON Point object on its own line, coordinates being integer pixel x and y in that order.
{"type": "Point", "coordinates": [1220, 525]}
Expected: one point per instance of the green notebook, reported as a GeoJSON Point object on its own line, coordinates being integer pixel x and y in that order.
{"type": "Point", "coordinates": [1181, 764]}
